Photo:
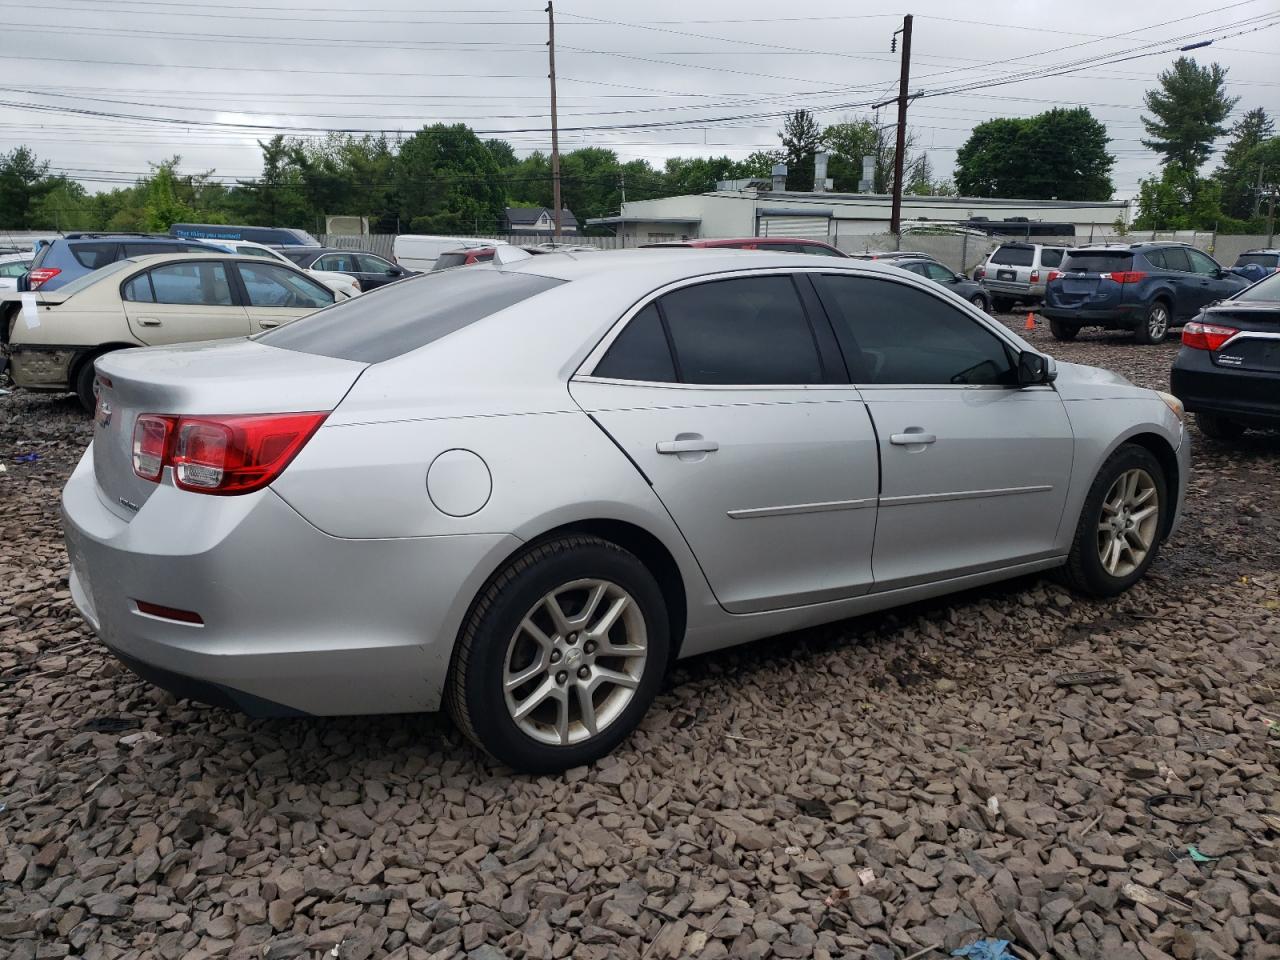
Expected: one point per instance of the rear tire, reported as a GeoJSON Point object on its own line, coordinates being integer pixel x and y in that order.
{"type": "Point", "coordinates": [1062, 330]}
{"type": "Point", "coordinates": [1219, 428]}
{"type": "Point", "coordinates": [1105, 557]}
{"type": "Point", "coordinates": [1155, 324]}
{"type": "Point", "coordinates": [981, 302]}
{"type": "Point", "coordinates": [537, 620]}
{"type": "Point", "coordinates": [84, 385]}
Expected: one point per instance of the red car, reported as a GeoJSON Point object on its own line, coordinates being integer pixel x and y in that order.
{"type": "Point", "coordinates": [777, 244]}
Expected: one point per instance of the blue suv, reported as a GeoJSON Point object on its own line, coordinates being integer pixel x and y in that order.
{"type": "Point", "coordinates": [1143, 287]}
{"type": "Point", "coordinates": [72, 256]}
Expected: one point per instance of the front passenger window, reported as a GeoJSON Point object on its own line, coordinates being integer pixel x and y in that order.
{"type": "Point", "coordinates": [1202, 264]}
{"type": "Point", "coordinates": [892, 333]}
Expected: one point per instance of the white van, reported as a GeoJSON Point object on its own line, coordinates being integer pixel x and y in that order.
{"type": "Point", "coordinates": [416, 251]}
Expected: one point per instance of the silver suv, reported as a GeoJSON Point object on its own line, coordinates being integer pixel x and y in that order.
{"type": "Point", "coordinates": [1018, 272]}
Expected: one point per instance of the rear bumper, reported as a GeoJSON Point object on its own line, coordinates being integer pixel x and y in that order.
{"type": "Point", "coordinates": [295, 621]}
{"type": "Point", "coordinates": [1123, 318]}
{"type": "Point", "coordinates": [1248, 396]}
{"type": "Point", "coordinates": [1014, 290]}
{"type": "Point", "coordinates": [42, 367]}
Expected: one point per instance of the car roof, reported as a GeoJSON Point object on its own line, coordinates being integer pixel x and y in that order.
{"type": "Point", "coordinates": [1274, 250]}
{"type": "Point", "coordinates": [151, 258]}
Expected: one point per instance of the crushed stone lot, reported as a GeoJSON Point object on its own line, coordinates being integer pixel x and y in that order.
{"type": "Point", "coordinates": [910, 780]}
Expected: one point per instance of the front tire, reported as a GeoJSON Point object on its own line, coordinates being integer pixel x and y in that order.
{"type": "Point", "coordinates": [561, 655]}
{"type": "Point", "coordinates": [1155, 325]}
{"type": "Point", "coordinates": [981, 302]}
{"type": "Point", "coordinates": [1062, 330]}
{"type": "Point", "coordinates": [1120, 527]}
{"type": "Point", "coordinates": [1219, 428]}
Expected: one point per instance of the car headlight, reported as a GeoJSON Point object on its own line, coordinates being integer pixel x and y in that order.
{"type": "Point", "coordinates": [1174, 404]}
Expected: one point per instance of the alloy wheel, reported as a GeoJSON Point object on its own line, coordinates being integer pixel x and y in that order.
{"type": "Point", "coordinates": [1158, 323]}
{"type": "Point", "coordinates": [575, 661]}
{"type": "Point", "coordinates": [1128, 525]}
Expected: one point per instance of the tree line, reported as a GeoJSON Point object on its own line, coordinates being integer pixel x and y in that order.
{"type": "Point", "coordinates": [446, 179]}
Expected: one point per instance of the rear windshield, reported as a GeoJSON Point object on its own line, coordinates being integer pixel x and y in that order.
{"type": "Point", "coordinates": [1014, 256]}
{"type": "Point", "coordinates": [1259, 259]}
{"type": "Point", "coordinates": [407, 315]}
{"type": "Point", "coordinates": [1096, 261]}
{"type": "Point", "coordinates": [1268, 289]}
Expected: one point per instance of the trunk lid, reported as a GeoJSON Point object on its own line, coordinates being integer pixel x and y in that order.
{"type": "Point", "coordinates": [200, 379]}
{"type": "Point", "coordinates": [1257, 347]}
{"type": "Point", "coordinates": [1086, 277]}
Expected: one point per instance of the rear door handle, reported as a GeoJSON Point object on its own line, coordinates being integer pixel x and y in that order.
{"type": "Point", "coordinates": [694, 445]}
{"type": "Point", "coordinates": [910, 437]}
{"type": "Point", "coordinates": [148, 322]}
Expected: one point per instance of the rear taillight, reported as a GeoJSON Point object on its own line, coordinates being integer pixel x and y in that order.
{"type": "Point", "coordinates": [220, 455]}
{"type": "Point", "coordinates": [980, 273]}
{"type": "Point", "coordinates": [1206, 336]}
{"type": "Point", "coordinates": [41, 275]}
{"type": "Point", "coordinates": [1125, 276]}
{"type": "Point", "coordinates": [1053, 275]}
{"type": "Point", "coordinates": [1035, 276]}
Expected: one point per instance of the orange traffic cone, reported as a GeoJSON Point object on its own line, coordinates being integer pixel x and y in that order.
{"type": "Point", "coordinates": [1031, 321]}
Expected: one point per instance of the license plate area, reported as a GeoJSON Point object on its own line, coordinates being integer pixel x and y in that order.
{"type": "Point", "coordinates": [1006, 275]}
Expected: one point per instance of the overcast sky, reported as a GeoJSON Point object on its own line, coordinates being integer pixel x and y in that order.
{"type": "Point", "coordinates": [398, 64]}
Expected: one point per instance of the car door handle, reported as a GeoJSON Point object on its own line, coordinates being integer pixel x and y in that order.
{"type": "Point", "coordinates": [149, 322]}
{"type": "Point", "coordinates": [691, 445]}
{"type": "Point", "coordinates": [910, 437]}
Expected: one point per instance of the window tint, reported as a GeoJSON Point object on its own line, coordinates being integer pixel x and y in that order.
{"type": "Point", "coordinates": [640, 352]}
{"type": "Point", "coordinates": [200, 283]}
{"type": "Point", "coordinates": [338, 262]}
{"type": "Point", "coordinates": [371, 264]}
{"type": "Point", "coordinates": [936, 271]}
{"type": "Point", "coordinates": [751, 330]}
{"type": "Point", "coordinates": [1157, 260]}
{"type": "Point", "coordinates": [893, 333]}
{"type": "Point", "coordinates": [95, 255]}
{"type": "Point", "coordinates": [1050, 257]}
{"type": "Point", "coordinates": [1175, 258]}
{"type": "Point", "coordinates": [408, 315]}
{"type": "Point", "coordinates": [1012, 256]}
{"type": "Point", "coordinates": [272, 285]}
{"type": "Point", "coordinates": [138, 290]}
{"type": "Point", "coordinates": [1258, 259]}
{"type": "Point", "coordinates": [1096, 261]}
{"type": "Point", "coordinates": [1202, 263]}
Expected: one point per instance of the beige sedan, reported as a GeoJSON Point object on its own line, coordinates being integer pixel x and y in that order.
{"type": "Point", "coordinates": [52, 338]}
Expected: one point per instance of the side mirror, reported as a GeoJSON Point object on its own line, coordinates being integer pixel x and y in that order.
{"type": "Point", "coordinates": [1035, 369]}
{"type": "Point", "coordinates": [960, 276]}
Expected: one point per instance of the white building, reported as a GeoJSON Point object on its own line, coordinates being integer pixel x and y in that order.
{"type": "Point", "coordinates": [848, 220]}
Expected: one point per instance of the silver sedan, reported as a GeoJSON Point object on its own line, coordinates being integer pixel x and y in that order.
{"type": "Point", "coordinates": [520, 491]}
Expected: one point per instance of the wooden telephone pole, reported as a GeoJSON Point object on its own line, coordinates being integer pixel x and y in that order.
{"type": "Point", "coordinates": [555, 131]}
{"type": "Point", "coordinates": [895, 214]}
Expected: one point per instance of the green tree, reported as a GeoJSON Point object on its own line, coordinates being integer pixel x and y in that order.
{"type": "Point", "coordinates": [448, 181]}
{"type": "Point", "coordinates": [801, 137]}
{"type": "Point", "coordinates": [1178, 200]}
{"type": "Point", "coordinates": [23, 178]}
{"type": "Point", "coordinates": [65, 205]}
{"type": "Point", "coordinates": [1058, 154]}
{"type": "Point", "coordinates": [1188, 111]}
{"type": "Point", "coordinates": [1237, 175]}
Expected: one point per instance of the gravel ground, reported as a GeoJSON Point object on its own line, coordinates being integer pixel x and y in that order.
{"type": "Point", "coordinates": [873, 789]}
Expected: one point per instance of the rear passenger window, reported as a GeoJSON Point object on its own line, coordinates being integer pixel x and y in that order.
{"type": "Point", "coordinates": [95, 255]}
{"type": "Point", "coordinates": [1156, 259]}
{"type": "Point", "coordinates": [202, 283]}
{"type": "Point", "coordinates": [1050, 257]}
{"type": "Point", "coordinates": [892, 333]}
{"type": "Point", "coordinates": [138, 290]}
{"type": "Point", "coordinates": [1175, 258]}
{"type": "Point", "coordinates": [640, 352]}
{"type": "Point", "coordinates": [749, 330]}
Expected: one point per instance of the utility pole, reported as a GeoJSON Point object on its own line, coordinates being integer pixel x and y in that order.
{"type": "Point", "coordinates": [622, 226]}
{"type": "Point", "coordinates": [555, 127]}
{"type": "Point", "coordinates": [895, 215]}
{"type": "Point", "coordinates": [1257, 193]}
{"type": "Point", "coordinates": [1271, 216]}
